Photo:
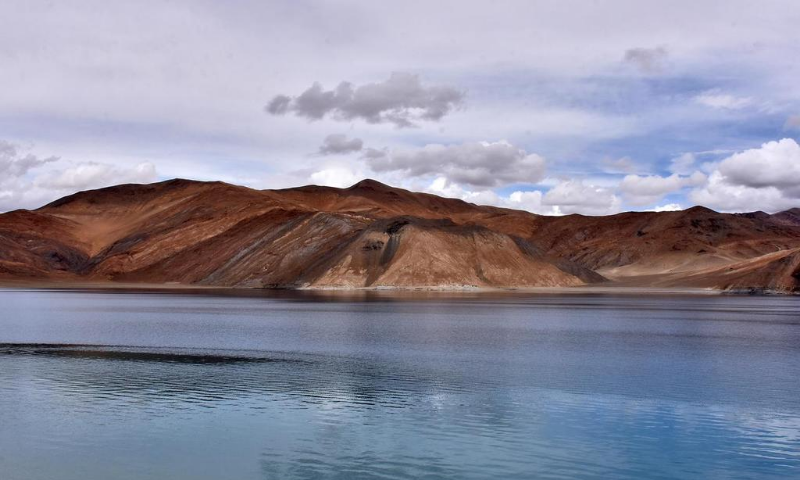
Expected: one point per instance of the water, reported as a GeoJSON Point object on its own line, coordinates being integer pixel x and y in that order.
{"type": "Point", "coordinates": [142, 385]}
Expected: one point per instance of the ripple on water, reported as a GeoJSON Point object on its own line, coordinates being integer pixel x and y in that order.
{"type": "Point", "coordinates": [542, 388]}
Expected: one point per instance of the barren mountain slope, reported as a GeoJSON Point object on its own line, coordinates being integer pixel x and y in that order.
{"type": "Point", "coordinates": [640, 245]}
{"type": "Point", "coordinates": [650, 243]}
{"type": "Point", "coordinates": [35, 245]}
{"type": "Point", "coordinates": [301, 249]}
{"type": "Point", "coordinates": [778, 271]}
{"type": "Point", "coordinates": [374, 235]}
{"type": "Point", "coordinates": [375, 199]}
{"type": "Point", "coordinates": [219, 234]}
{"type": "Point", "coordinates": [788, 217]}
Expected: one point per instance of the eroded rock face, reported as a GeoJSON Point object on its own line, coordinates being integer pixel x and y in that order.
{"type": "Point", "coordinates": [373, 235]}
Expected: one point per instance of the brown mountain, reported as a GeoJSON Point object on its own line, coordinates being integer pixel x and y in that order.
{"type": "Point", "coordinates": [373, 235]}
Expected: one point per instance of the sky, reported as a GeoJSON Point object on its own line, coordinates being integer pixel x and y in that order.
{"type": "Point", "coordinates": [556, 107]}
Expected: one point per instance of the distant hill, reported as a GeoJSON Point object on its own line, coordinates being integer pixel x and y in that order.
{"type": "Point", "coordinates": [374, 235]}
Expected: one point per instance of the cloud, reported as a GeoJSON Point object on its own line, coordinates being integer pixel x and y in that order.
{"type": "Point", "coordinates": [566, 197]}
{"type": "Point", "coordinates": [792, 123]}
{"type": "Point", "coordinates": [563, 98]}
{"type": "Point", "coordinates": [374, 153]}
{"type": "Point", "coordinates": [401, 100]}
{"type": "Point", "coordinates": [647, 60]}
{"type": "Point", "coordinates": [338, 143]}
{"type": "Point", "coordinates": [765, 178]}
{"type": "Point", "coordinates": [478, 164]}
{"type": "Point", "coordinates": [279, 105]}
{"type": "Point", "coordinates": [15, 169]}
{"type": "Point", "coordinates": [573, 196]}
{"type": "Point", "coordinates": [619, 165]}
{"type": "Point", "coordinates": [530, 201]}
{"type": "Point", "coordinates": [683, 164]}
{"type": "Point", "coordinates": [716, 99]}
{"type": "Point", "coordinates": [669, 207]}
{"type": "Point", "coordinates": [96, 175]}
{"type": "Point", "coordinates": [645, 190]}
{"type": "Point", "coordinates": [721, 195]}
{"type": "Point", "coordinates": [14, 164]}
{"type": "Point", "coordinates": [24, 185]}
{"type": "Point", "coordinates": [339, 177]}
{"type": "Point", "coordinates": [445, 188]}
{"type": "Point", "coordinates": [775, 164]}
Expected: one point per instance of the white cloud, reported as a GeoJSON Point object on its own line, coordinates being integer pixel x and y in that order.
{"type": "Point", "coordinates": [338, 143]}
{"type": "Point", "coordinates": [573, 196]}
{"type": "Point", "coordinates": [14, 164]}
{"type": "Point", "coordinates": [530, 201]}
{"type": "Point", "coordinates": [566, 197]}
{"type": "Point", "coordinates": [28, 181]}
{"type": "Point", "coordinates": [765, 178]}
{"type": "Point", "coordinates": [669, 207]}
{"type": "Point", "coordinates": [721, 195]}
{"type": "Point", "coordinates": [683, 164]}
{"type": "Point", "coordinates": [717, 99]}
{"type": "Point", "coordinates": [401, 100]}
{"type": "Point", "coordinates": [96, 175]}
{"type": "Point", "coordinates": [443, 187]}
{"type": "Point", "coordinates": [645, 190]}
{"type": "Point", "coordinates": [336, 176]}
{"type": "Point", "coordinates": [775, 164]}
{"type": "Point", "coordinates": [478, 164]}
{"type": "Point", "coordinates": [91, 85]}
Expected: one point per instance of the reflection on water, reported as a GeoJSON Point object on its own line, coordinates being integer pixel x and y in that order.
{"type": "Point", "coordinates": [97, 385]}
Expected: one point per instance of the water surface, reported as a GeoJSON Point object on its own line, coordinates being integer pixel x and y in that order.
{"type": "Point", "coordinates": [100, 385]}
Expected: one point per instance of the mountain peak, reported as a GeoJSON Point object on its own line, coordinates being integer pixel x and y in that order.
{"type": "Point", "coordinates": [370, 184]}
{"type": "Point", "coordinates": [699, 209]}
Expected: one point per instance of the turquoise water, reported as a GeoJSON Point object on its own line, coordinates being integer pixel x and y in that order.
{"type": "Point", "coordinates": [143, 385]}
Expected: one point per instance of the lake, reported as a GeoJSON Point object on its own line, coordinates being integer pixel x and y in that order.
{"type": "Point", "coordinates": [99, 385]}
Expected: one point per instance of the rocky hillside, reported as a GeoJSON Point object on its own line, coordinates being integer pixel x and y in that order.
{"type": "Point", "coordinates": [373, 235]}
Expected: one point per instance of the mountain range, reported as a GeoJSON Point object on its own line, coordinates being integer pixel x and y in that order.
{"type": "Point", "coordinates": [372, 235]}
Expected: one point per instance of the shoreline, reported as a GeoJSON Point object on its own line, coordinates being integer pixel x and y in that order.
{"type": "Point", "coordinates": [606, 289]}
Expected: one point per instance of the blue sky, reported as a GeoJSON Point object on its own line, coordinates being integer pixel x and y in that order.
{"type": "Point", "coordinates": [552, 106]}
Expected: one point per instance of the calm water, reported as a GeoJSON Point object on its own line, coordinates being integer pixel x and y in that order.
{"type": "Point", "coordinates": [129, 386]}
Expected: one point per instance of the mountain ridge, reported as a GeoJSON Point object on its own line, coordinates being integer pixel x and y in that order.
{"type": "Point", "coordinates": [372, 235]}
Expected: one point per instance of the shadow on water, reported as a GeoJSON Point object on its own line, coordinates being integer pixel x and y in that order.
{"type": "Point", "coordinates": [174, 377]}
{"type": "Point", "coordinates": [106, 353]}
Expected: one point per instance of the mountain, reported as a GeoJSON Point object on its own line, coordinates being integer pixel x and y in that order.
{"type": "Point", "coordinates": [374, 235]}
